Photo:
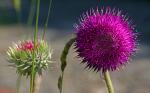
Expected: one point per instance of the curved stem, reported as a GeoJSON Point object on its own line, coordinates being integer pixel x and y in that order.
{"type": "Point", "coordinates": [108, 82]}
{"type": "Point", "coordinates": [33, 73]}
{"type": "Point", "coordinates": [64, 62]}
{"type": "Point", "coordinates": [47, 19]}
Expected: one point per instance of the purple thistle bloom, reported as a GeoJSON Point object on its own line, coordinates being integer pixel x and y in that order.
{"type": "Point", "coordinates": [105, 40]}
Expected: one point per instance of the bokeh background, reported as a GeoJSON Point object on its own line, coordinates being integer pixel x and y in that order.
{"type": "Point", "coordinates": [14, 26]}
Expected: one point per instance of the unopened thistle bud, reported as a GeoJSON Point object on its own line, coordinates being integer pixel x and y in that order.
{"type": "Point", "coordinates": [21, 56]}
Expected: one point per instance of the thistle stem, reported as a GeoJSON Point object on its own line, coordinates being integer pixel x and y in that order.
{"type": "Point", "coordinates": [31, 13]}
{"type": "Point", "coordinates": [33, 73]}
{"type": "Point", "coordinates": [32, 90]}
{"type": "Point", "coordinates": [47, 19]}
{"type": "Point", "coordinates": [108, 81]}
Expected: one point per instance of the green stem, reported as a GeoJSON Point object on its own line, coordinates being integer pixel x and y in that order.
{"type": "Point", "coordinates": [18, 83]}
{"type": "Point", "coordinates": [31, 13]}
{"type": "Point", "coordinates": [47, 19]}
{"type": "Point", "coordinates": [64, 62]}
{"type": "Point", "coordinates": [32, 90]}
{"type": "Point", "coordinates": [33, 74]}
{"type": "Point", "coordinates": [108, 82]}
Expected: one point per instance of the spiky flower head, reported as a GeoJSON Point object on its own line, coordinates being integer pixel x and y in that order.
{"type": "Point", "coordinates": [105, 39]}
{"type": "Point", "coordinates": [21, 56]}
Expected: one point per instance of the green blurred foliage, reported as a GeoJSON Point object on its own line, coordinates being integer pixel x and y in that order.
{"type": "Point", "coordinates": [5, 17]}
{"type": "Point", "coordinates": [17, 5]}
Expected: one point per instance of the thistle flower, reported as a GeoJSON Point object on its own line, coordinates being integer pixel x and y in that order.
{"type": "Point", "coordinates": [105, 39]}
{"type": "Point", "coordinates": [20, 55]}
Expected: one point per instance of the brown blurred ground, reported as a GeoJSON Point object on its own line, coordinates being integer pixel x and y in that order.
{"type": "Point", "coordinates": [134, 78]}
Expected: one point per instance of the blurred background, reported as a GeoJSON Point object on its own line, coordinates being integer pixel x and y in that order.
{"type": "Point", "coordinates": [15, 25]}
